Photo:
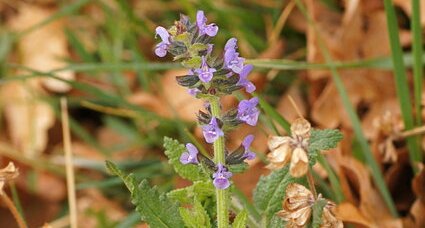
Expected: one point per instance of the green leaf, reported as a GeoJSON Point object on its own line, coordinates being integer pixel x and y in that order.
{"type": "Point", "coordinates": [154, 208]}
{"type": "Point", "coordinates": [276, 222]}
{"type": "Point", "coordinates": [197, 47]}
{"type": "Point", "coordinates": [322, 140]}
{"type": "Point", "coordinates": [240, 220]}
{"type": "Point", "coordinates": [197, 217]}
{"type": "Point", "coordinates": [317, 212]}
{"type": "Point", "coordinates": [200, 189]}
{"type": "Point", "coordinates": [269, 193]}
{"type": "Point", "coordinates": [194, 62]}
{"type": "Point", "coordinates": [173, 150]}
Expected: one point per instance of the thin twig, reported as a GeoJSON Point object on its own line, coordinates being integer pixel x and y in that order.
{"type": "Point", "coordinates": [19, 220]}
{"type": "Point", "coordinates": [70, 180]}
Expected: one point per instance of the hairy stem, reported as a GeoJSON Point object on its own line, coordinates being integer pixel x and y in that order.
{"type": "Point", "coordinates": [221, 194]}
{"type": "Point", "coordinates": [13, 210]}
{"type": "Point", "coordinates": [310, 180]}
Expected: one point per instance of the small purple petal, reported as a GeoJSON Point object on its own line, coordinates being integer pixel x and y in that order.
{"type": "Point", "coordinates": [201, 22]}
{"type": "Point", "coordinates": [212, 131]}
{"type": "Point", "coordinates": [246, 143]}
{"type": "Point", "coordinates": [193, 91]}
{"type": "Point", "coordinates": [243, 80]}
{"type": "Point", "coordinates": [211, 30]}
{"type": "Point", "coordinates": [231, 44]}
{"type": "Point", "coordinates": [205, 73]}
{"type": "Point", "coordinates": [200, 19]}
{"type": "Point", "coordinates": [161, 49]}
{"type": "Point", "coordinates": [190, 156]}
{"type": "Point", "coordinates": [248, 112]}
{"type": "Point", "coordinates": [163, 33]}
{"type": "Point", "coordinates": [221, 177]}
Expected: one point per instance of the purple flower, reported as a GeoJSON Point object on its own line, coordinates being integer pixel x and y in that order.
{"type": "Point", "coordinates": [161, 48]}
{"type": "Point", "coordinates": [190, 156]}
{"type": "Point", "coordinates": [193, 91]}
{"type": "Point", "coordinates": [246, 143]}
{"type": "Point", "coordinates": [221, 177]}
{"type": "Point", "coordinates": [201, 21]}
{"type": "Point", "coordinates": [205, 73]}
{"type": "Point", "coordinates": [212, 131]}
{"type": "Point", "coordinates": [231, 56]}
{"type": "Point", "coordinates": [243, 79]}
{"type": "Point", "coordinates": [248, 112]}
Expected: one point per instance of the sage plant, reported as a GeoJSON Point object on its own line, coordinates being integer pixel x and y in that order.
{"type": "Point", "coordinates": [210, 77]}
{"type": "Point", "coordinates": [280, 199]}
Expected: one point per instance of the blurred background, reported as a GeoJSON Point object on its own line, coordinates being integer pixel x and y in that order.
{"type": "Point", "coordinates": [123, 99]}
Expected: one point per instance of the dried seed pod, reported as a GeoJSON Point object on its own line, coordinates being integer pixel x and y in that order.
{"type": "Point", "coordinates": [301, 128]}
{"type": "Point", "coordinates": [299, 162]}
{"type": "Point", "coordinates": [280, 156]}
{"type": "Point", "coordinates": [297, 205]}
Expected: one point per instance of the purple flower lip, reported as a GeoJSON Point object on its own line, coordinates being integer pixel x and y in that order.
{"type": "Point", "coordinates": [201, 22]}
{"type": "Point", "coordinates": [161, 48]}
{"type": "Point", "coordinates": [248, 112]}
{"type": "Point", "coordinates": [243, 80]}
{"type": "Point", "coordinates": [221, 177]}
{"type": "Point", "coordinates": [190, 156]}
{"type": "Point", "coordinates": [246, 143]}
{"type": "Point", "coordinates": [212, 131]}
{"type": "Point", "coordinates": [205, 73]}
{"type": "Point", "coordinates": [231, 56]}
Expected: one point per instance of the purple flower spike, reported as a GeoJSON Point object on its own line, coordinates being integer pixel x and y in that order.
{"type": "Point", "coordinates": [212, 131]}
{"type": "Point", "coordinates": [248, 112]}
{"type": "Point", "coordinates": [231, 56]}
{"type": "Point", "coordinates": [161, 48]}
{"type": "Point", "coordinates": [190, 156]}
{"type": "Point", "coordinates": [243, 79]}
{"type": "Point", "coordinates": [205, 73]}
{"type": "Point", "coordinates": [221, 177]}
{"type": "Point", "coordinates": [201, 21]}
{"type": "Point", "coordinates": [246, 144]}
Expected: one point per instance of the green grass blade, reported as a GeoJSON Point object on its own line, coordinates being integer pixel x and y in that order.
{"type": "Point", "coordinates": [402, 86]}
{"type": "Point", "coordinates": [335, 184]}
{"type": "Point", "coordinates": [370, 160]}
{"type": "Point", "coordinates": [417, 56]}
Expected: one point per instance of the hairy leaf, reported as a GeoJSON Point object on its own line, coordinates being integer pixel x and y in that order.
{"type": "Point", "coordinates": [196, 217]}
{"type": "Point", "coordinates": [276, 222]}
{"type": "Point", "coordinates": [154, 208]}
{"type": "Point", "coordinates": [240, 220]}
{"type": "Point", "coordinates": [173, 150]}
{"type": "Point", "coordinates": [270, 191]}
{"type": "Point", "coordinates": [200, 189]}
{"type": "Point", "coordinates": [322, 140]}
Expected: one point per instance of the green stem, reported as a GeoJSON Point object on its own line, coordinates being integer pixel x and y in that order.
{"type": "Point", "coordinates": [221, 194]}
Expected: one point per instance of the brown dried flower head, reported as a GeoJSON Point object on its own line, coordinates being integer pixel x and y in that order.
{"type": "Point", "coordinates": [297, 208]}
{"type": "Point", "coordinates": [291, 149]}
{"type": "Point", "coordinates": [8, 173]}
{"type": "Point", "coordinates": [387, 129]}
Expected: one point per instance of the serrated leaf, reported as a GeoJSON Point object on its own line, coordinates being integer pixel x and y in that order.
{"type": "Point", "coordinates": [197, 47]}
{"type": "Point", "coordinates": [194, 62]}
{"type": "Point", "coordinates": [270, 191]}
{"type": "Point", "coordinates": [317, 213]}
{"type": "Point", "coordinates": [196, 217]}
{"type": "Point", "coordinates": [154, 208]}
{"type": "Point", "coordinates": [325, 139]}
{"type": "Point", "coordinates": [200, 189]}
{"type": "Point", "coordinates": [173, 150]}
{"type": "Point", "coordinates": [276, 222]}
{"type": "Point", "coordinates": [240, 220]}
